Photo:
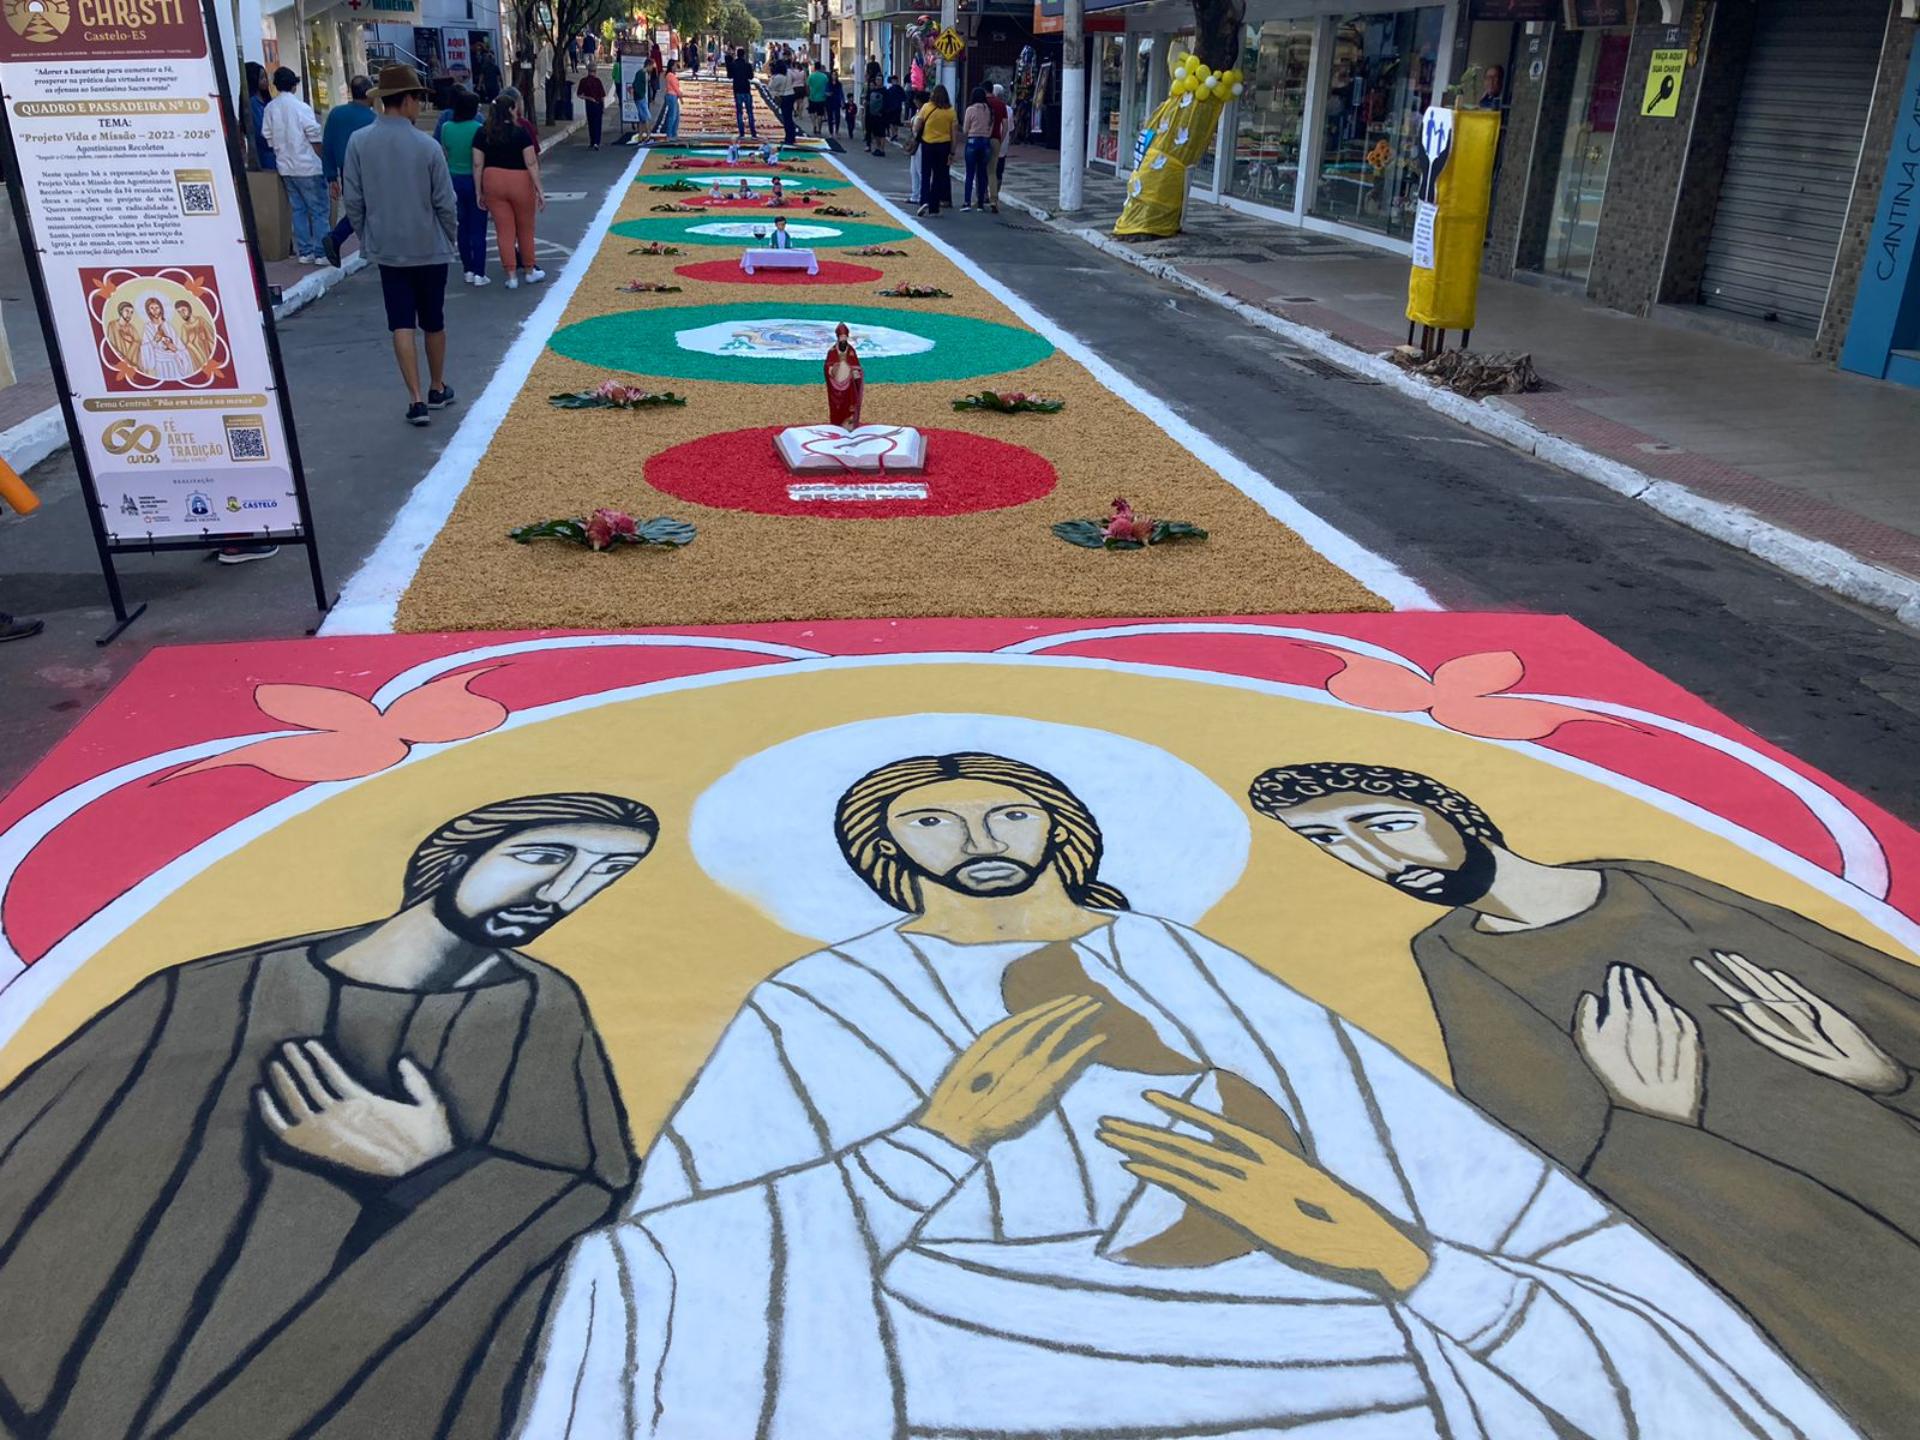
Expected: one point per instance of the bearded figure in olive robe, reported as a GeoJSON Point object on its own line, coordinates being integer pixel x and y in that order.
{"type": "Point", "coordinates": [317, 1187]}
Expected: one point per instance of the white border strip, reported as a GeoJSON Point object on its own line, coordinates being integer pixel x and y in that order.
{"type": "Point", "coordinates": [1373, 570]}
{"type": "Point", "coordinates": [369, 601]}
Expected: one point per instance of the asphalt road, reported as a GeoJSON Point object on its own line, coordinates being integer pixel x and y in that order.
{"type": "Point", "coordinates": [1481, 526]}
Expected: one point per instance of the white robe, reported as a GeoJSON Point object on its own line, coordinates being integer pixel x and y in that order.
{"type": "Point", "coordinates": [801, 1260]}
{"type": "Point", "coordinates": [163, 354]}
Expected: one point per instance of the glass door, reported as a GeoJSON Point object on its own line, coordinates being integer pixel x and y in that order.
{"type": "Point", "coordinates": [1586, 154]}
{"type": "Point", "coordinates": [1105, 137]}
{"type": "Point", "coordinates": [1266, 140]}
{"type": "Point", "coordinates": [1379, 84]}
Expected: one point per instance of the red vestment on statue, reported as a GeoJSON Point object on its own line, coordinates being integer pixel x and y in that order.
{"type": "Point", "coordinates": [845, 388]}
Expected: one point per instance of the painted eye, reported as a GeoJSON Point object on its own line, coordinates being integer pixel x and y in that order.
{"type": "Point", "coordinates": [1392, 827]}
{"type": "Point", "coordinates": [614, 867]}
{"type": "Point", "coordinates": [542, 856]}
{"type": "Point", "coordinates": [926, 822]}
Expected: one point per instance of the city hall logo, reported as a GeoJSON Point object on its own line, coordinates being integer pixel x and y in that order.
{"type": "Point", "coordinates": [38, 22]}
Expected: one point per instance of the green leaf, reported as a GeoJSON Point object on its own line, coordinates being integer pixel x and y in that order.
{"type": "Point", "coordinates": [662, 530]}
{"type": "Point", "coordinates": [1089, 534]}
{"type": "Point", "coordinates": [573, 530]}
{"type": "Point", "coordinates": [1165, 530]}
{"type": "Point", "coordinates": [583, 400]}
{"type": "Point", "coordinates": [1112, 544]}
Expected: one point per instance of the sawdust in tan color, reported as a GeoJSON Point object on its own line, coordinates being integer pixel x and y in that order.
{"type": "Point", "coordinates": [544, 463]}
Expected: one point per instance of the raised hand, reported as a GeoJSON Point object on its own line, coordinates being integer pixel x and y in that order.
{"type": "Point", "coordinates": [320, 1110]}
{"type": "Point", "coordinates": [1774, 1010]}
{"type": "Point", "coordinates": [1013, 1073]}
{"type": "Point", "coordinates": [1257, 1185]}
{"type": "Point", "coordinates": [1645, 1049]}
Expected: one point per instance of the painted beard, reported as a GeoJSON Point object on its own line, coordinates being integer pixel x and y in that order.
{"type": "Point", "coordinates": [1463, 885]}
{"type": "Point", "coordinates": [511, 925]}
{"type": "Point", "coordinates": [991, 875]}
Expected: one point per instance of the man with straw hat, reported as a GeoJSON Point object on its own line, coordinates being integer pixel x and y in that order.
{"type": "Point", "coordinates": [399, 196]}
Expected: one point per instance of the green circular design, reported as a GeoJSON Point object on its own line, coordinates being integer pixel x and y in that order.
{"type": "Point", "coordinates": [642, 342]}
{"type": "Point", "coordinates": [793, 182]}
{"type": "Point", "coordinates": [678, 229]}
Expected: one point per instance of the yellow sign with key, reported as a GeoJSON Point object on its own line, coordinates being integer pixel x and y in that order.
{"type": "Point", "coordinates": [1663, 83]}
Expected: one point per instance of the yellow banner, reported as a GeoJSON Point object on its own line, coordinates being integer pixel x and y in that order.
{"type": "Point", "coordinates": [1450, 225]}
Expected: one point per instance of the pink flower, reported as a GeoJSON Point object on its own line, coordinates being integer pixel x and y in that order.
{"type": "Point", "coordinates": [1465, 695]}
{"type": "Point", "coordinates": [605, 527]}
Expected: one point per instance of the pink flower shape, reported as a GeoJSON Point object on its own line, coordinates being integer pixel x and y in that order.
{"type": "Point", "coordinates": [1463, 695]}
{"type": "Point", "coordinates": [348, 737]}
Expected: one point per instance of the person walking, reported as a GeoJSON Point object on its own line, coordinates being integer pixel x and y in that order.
{"type": "Point", "coordinates": [780, 87]}
{"type": "Point", "coordinates": [457, 138]}
{"type": "Point", "coordinates": [977, 128]}
{"type": "Point", "coordinates": [293, 130]}
{"type": "Point", "coordinates": [740, 72]}
{"type": "Point", "coordinates": [506, 180]}
{"type": "Point", "coordinates": [818, 86]}
{"type": "Point", "coordinates": [1002, 136]}
{"type": "Point", "coordinates": [486, 72]}
{"type": "Point", "coordinates": [343, 123]}
{"type": "Point", "coordinates": [593, 94]}
{"type": "Point", "coordinates": [399, 195]}
{"type": "Point", "coordinates": [896, 106]}
{"type": "Point", "coordinates": [670, 100]}
{"type": "Point", "coordinates": [836, 102]}
{"type": "Point", "coordinates": [876, 111]}
{"type": "Point", "coordinates": [934, 125]}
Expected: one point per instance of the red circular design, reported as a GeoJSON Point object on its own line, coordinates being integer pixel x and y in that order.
{"type": "Point", "coordinates": [728, 272]}
{"type": "Point", "coordinates": [740, 470]}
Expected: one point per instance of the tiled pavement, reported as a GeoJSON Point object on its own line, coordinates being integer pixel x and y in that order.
{"type": "Point", "coordinates": [1823, 454]}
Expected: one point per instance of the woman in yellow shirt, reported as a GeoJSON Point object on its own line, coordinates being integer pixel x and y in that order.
{"type": "Point", "coordinates": [934, 126]}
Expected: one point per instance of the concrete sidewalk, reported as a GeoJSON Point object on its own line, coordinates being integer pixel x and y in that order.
{"type": "Point", "coordinates": [1808, 450]}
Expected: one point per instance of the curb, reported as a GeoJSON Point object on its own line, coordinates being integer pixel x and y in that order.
{"type": "Point", "coordinates": [39, 436]}
{"type": "Point", "coordinates": [1815, 561]}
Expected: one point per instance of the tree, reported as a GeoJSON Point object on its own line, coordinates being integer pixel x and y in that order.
{"type": "Point", "coordinates": [1217, 29]}
{"type": "Point", "coordinates": [737, 25]}
{"type": "Point", "coordinates": [550, 23]}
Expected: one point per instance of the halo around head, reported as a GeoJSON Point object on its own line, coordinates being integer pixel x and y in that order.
{"type": "Point", "coordinates": [1174, 841]}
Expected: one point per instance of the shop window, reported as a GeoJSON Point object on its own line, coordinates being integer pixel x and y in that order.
{"type": "Point", "coordinates": [1379, 84]}
{"type": "Point", "coordinates": [1586, 154]}
{"type": "Point", "coordinates": [1266, 141]}
{"type": "Point", "coordinates": [1106, 125]}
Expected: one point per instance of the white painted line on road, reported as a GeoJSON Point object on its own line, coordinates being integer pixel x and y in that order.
{"type": "Point", "coordinates": [1375, 571]}
{"type": "Point", "coordinates": [370, 600]}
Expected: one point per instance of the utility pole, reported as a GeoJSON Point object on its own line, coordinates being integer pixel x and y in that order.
{"type": "Point", "coordinates": [1073, 106]}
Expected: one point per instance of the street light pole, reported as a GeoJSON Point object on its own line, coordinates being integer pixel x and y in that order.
{"type": "Point", "coordinates": [1073, 106]}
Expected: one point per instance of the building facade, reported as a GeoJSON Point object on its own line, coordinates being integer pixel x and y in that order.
{"type": "Point", "coordinates": [1750, 166]}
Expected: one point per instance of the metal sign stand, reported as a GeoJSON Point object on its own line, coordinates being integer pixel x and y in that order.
{"type": "Point", "coordinates": [103, 543]}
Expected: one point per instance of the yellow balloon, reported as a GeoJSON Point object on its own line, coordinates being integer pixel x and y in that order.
{"type": "Point", "coordinates": [1234, 77]}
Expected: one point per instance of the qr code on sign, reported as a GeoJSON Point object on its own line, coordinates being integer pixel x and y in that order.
{"type": "Point", "coordinates": [246, 437]}
{"type": "Point", "coordinates": [197, 195]}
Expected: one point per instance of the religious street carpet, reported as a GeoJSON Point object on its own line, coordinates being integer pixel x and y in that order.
{"type": "Point", "coordinates": [746, 352]}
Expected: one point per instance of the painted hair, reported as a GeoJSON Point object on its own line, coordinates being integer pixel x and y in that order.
{"type": "Point", "coordinates": [860, 825]}
{"type": "Point", "coordinates": [445, 854]}
{"type": "Point", "coordinates": [1286, 786]}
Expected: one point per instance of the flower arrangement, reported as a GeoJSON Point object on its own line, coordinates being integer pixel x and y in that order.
{"type": "Point", "coordinates": [675, 208]}
{"type": "Point", "coordinates": [605, 528]}
{"type": "Point", "coordinates": [905, 290]}
{"type": "Point", "coordinates": [1124, 530]}
{"type": "Point", "coordinates": [649, 287]}
{"type": "Point", "coordinates": [845, 214]}
{"type": "Point", "coordinates": [1379, 155]}
{"type": "Point", "coordinates": [682, 185]}
{"type": "Point", "coordinates": [876, 251]}
{"type": "Point", "coordinates": [614, 395]}
{"type": "Point", "coordinates": [1011, 402]}
{"type": "Point", "coordinates": [654, 247]}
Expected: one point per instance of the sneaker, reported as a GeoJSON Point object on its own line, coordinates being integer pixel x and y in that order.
{"type": "Point", "coordinates": [12, 627]}
{"type": "Point", "coordinates": [417, 414]}
{"type": "Point", "coordinates": [480, 280]}
{"type": "Point", "coordinates": [332, 247]}
{"type": "Point", "coordinates": [467, 277]}
{"type": "Point", "coordinates": [534, 276]}
{"type": "Point", "coordinates": [441, 398]}
{"type": "Point", "coordinates": [922, 211]}
{"type": "Point", "coordinates": [513, 282]}
{"type": "Point", "coordinates": [241, 554]}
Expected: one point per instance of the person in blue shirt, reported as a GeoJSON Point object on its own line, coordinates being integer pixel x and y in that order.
{"type": "Point", "coordinates": [342, 121]}
{"type": "Point", "coordinates": [260, 91]}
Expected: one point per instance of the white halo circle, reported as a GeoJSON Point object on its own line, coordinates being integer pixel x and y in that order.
{"type": "Point", "coordinates": [779, 338]}
{"type": "Point", "coordinates": [747, 229]}
{"type": "Point", "coordinates": [1174, 841]}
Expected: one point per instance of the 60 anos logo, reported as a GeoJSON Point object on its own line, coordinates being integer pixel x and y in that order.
{"type": "Point", "coordinates": [134, 439]}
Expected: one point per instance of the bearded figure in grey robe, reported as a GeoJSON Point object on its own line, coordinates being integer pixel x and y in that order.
{"type": "Point", "coordinates": [319, 1187]}
{"type": "Point", "coordinates": [1029, 1164]}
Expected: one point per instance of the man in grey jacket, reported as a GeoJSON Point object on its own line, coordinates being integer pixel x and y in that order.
{"type": "Point", "coordinates": [399, 196]}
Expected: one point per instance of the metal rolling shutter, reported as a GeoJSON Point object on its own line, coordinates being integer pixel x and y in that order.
{"type": "Point", "coordinates": [1796, 142]}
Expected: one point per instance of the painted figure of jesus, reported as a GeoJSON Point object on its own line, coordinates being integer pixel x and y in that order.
{"type": "Point", "coordinates": [846, 381]}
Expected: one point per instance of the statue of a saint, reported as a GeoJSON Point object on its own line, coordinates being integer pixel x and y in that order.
{"type": "Point", "coordinates": [845, 380]}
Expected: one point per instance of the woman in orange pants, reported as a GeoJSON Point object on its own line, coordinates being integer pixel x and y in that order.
{"type": "Point", "coordinates": [506, 180]}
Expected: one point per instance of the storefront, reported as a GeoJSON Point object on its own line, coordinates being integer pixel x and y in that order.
{"type": "Point", "coordinates": [1883, 330]}
{"type": "Point", "coordinates": [1324, 136]}
{"type": "Point", "coordinates": [1586, 129]}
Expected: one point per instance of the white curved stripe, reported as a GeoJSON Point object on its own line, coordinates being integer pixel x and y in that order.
{"type": "Point", "coordinates": [19, 999]}
{"type": "Point", "coordinates": [20, 838]}
{"type": "Point", "coordinates": [1862, 860]}
{"type": "Point", "coordinates": [417, 675]}
{"type": "Point", "coordinates": [1212, 627]}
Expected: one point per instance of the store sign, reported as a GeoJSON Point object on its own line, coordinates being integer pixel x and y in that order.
{"type": "Point", "coordinates": [1517, 9]}
{"type": "Point", "coordinates": [1886, 311]}
{"type": "Point", "coordinates": [1597, 14]}
{"type": "Point", "coordinates": [1665, 73]}
{"type": "Point", "coordinates": [114, 112]}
